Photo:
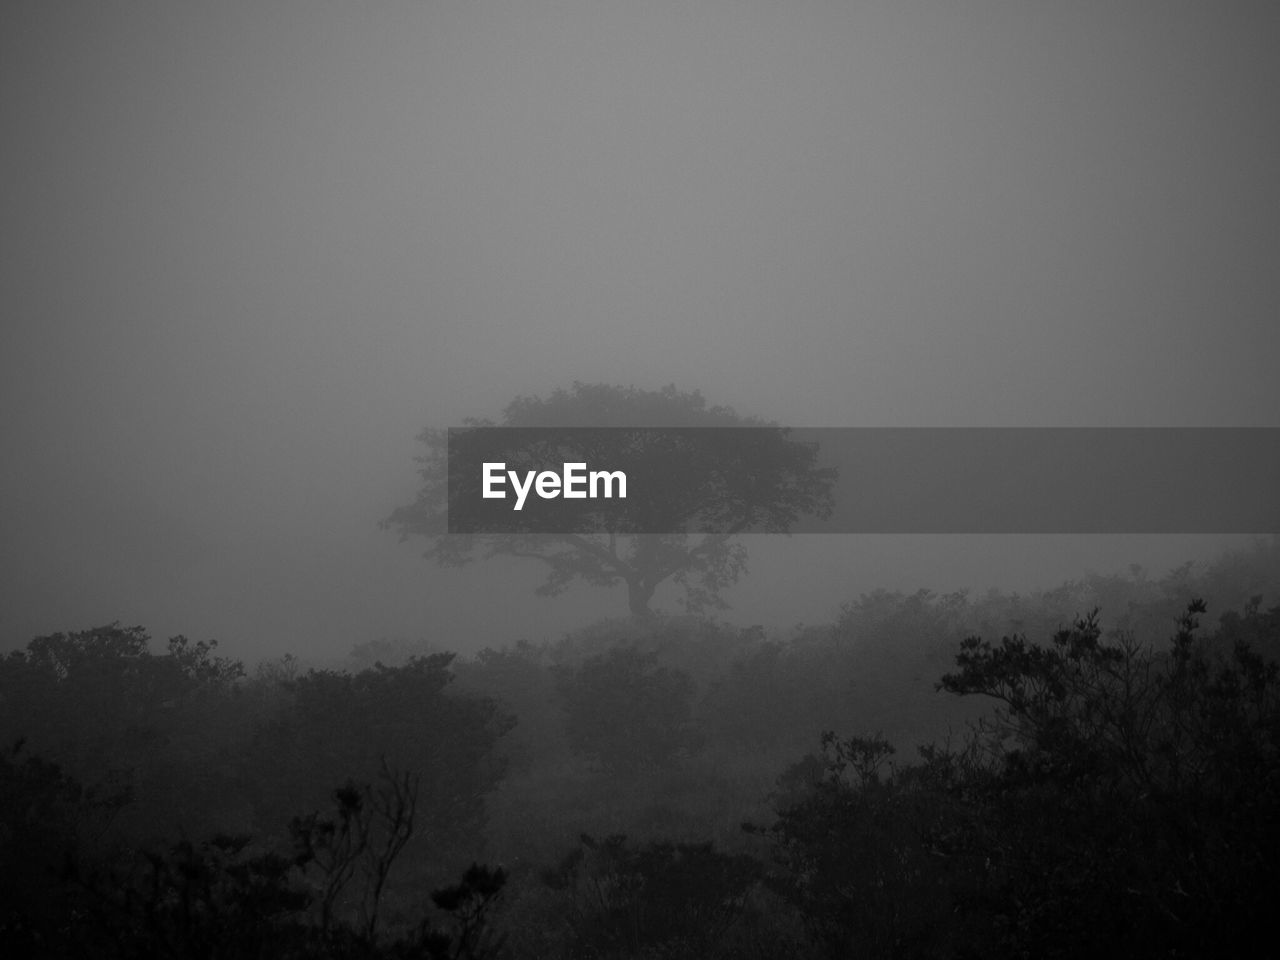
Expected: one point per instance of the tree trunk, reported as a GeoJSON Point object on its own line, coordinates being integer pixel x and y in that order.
{"type": "Point", "coordinates": [639, 593]}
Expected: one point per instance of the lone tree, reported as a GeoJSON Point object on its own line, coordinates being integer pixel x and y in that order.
{"type": "Point", "coordinates": [754, 480]}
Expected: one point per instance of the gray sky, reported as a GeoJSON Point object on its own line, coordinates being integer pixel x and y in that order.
{"type": "Point", "coordinates": [248, 249]}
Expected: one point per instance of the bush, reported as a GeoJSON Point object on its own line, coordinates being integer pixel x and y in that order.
{"type": "Point", "coordinates": [1121, 801]}
{"type": "Point", "coordinates": [659, 899]}
{"type": "Point", "coordinates": [627, 714]}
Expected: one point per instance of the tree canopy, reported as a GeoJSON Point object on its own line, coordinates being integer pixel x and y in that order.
{"type": "Point", "coordinates": [736, 481]}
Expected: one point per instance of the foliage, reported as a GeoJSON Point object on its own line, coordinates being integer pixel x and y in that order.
{"type": "Point", "coordinates": [626, 713]}
{"type": "Point", "coordinates": [1122, 801]}
{"type": "Point", "coordinates": [469, 904]}
{"type": "Point", "coordinates": [333, 722]}
{"type": "Point", "coordinates": [48, 823]}
{"type": "Point", "coordinates": [228, 896]}
{"type": "Point", "coordinates": [521, 679]}
{"type": "Point", "coordinates": [109, 711]}
{"type": "Point", "coordinates": [1159, 773]}
{"type": "Point", "coordinates": [765, 698]}
{"type": "Point", "coordinates": [851, 862]}
{"type": "Point", "coordinates": [231, 897]}
{"type": "Point", "coordinates": [369, 832]}
{"type": "Point", "coordinates": [766, 485]}
{"type": "Point", "coordinates": [659, 899]}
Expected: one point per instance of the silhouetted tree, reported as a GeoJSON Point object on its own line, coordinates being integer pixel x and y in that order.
{"type": "Point", "coordinates": [740, 481]}
{"type": "Point", "coordinates": [236, 896]}
{"type": "Point", "coordinates": [49, 823]}
{"type": "Point", "coordinates": [109, 710]}
{"type": "Point", "coordinates": [852, 859]}
{"type": "Point", "coordinates": [1122, 801]}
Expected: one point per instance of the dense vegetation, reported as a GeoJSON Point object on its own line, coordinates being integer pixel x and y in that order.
{"type": "Point", "coordinates": [1103, 778]}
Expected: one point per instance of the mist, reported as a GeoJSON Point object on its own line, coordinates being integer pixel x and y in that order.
{"type": "Point", "coordinates": [249, 254]}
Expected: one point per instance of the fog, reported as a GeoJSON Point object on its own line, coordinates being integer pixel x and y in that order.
{"type": "Point", "coordinates": [248, 251]}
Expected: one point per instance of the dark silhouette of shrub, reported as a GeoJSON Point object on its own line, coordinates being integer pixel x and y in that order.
{"type": "Point", "coordinates": [659, 899]}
